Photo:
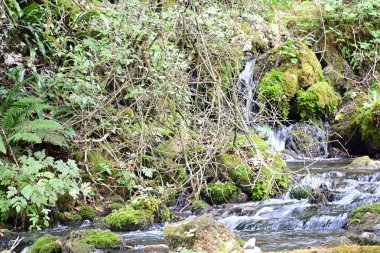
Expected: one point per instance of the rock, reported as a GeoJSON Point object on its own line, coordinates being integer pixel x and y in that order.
{"type": "Point", "coordinates": [204, 233]}
{"type": "Point", "coordinates": [46, 244]}
{"type": "Point", "coordinates": [365, 238]}
{"type": "Point", "coordinates": [85, 240]}
{"type": "Point", "coordinates": [364, 162]}
{"type": "Point", "coordinates": [250, 244]}
{"type": "Point", "coordinates": [342, 240]}
{"type": "Point", "coordinates": [6, 238]}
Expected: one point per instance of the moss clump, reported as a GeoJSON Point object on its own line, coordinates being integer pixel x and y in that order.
{"type": "Point", "coordinates": [152, 206]}
{"type": "Point", "coordinates": [302, 192]}
{"type": "Point", "coordinates": [358, 213]}
{"type": "Point", "coordinates": [287, 69]}
{"type": "Point", "coordinates": [73, 217]}
{"type": "Point", "coordinates": [100, 239]}
{"type": "Point", "coordinates": [318, 100]}
{"type": "Point", "coordinates": [46, 244]}
{"type": "Point", "coordinates": [198, 206]}
{"type": "Point", "coordinates": [239, 162]}
{"type": "Point", "coordinates": [369, 127]}
{"type": "Point", "coordinates": [128, 218]}
{"type": "Point", "coordinates": [220, 193]}
{"type": "Point", "coordinates": [277, 87]}
{"type": "Point", "coordinates": [361, 161]}
{"type": "Point", "coordinates": [87, 212]}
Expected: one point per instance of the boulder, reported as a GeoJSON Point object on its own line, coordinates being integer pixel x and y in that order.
{"type": "Point", "coordinates": [250, 246]}
{"type": "Point", "coordinates": [46, 244]}
{"type": "Point", "coordinates": [85, 241]}
{"type": "Point", "coordinates": [203, 233]}
{"type": "Point", "coordinates": [364, 162]}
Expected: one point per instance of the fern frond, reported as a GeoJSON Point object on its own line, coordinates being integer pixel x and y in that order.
{"type": "Point", "coordinates": [53, 138]}
{"type": "Point", "coordinates": [27, 137]}
{"type": "Point", "coordinates": [38, 125]}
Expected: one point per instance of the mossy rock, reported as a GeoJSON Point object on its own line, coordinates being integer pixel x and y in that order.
{"type": "Point", "coordinates": [287, 69]}
{"type": "Point", "coordinates": [73, 219]}
{"type": "Point", "coordinates": [199, 206]}
{"type": "Point", "coordinates": [361, 162]}
{"type": "Point", "coordinates": [302, 192]}
{"type": "Point", "coordinates": [364, 218]}
{"type": "Point", "coordinates": [129, 219]}
{"type": "Point", "coordinates": [202, 233]}
{"type": "Point", "coordinates": [77, 247]}
{"type": "Point", "coordinates": [220, 193]}
{"type": "Point", "coordinates": [46, 244]}
{"type": "Point", "coordinates": [369, 121]}
{"type": "Point", "coordinates": [152, 206]}
{"type": "Point", "coordinates": [240, 164]}
{"type": "Point", "coordinates": [344, 126]}
{"type": "Point", "coordinates": [100, 239]}
{"type": "Point", "coordinates": [87, 212]}
{"type": "Point", "coordinates": [317, 101]}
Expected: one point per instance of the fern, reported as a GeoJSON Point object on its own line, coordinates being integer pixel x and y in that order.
{"type": "Point", "coordinates": [23, 119]}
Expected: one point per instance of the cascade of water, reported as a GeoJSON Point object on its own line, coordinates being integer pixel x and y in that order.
{"type": "Point", "coordinates": [246, 87]}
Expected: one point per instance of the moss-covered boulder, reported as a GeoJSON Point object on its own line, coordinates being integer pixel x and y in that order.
{"type": "Point", "coordinates": [302, 192]}
{"type": "Point", "coordinates": [128, 219]}
{"type": "Point", "coordinates": [344, 126]}
{"type": "Point", "coordinates": [46, 244]}
{"type": "Point", "coordinates": [152, 206]}
{"type": "Point", "coordinates": [139, 213]}
{"type": "Point", "coordinates": [202, 233]}
{"type": "Point", "coordinates": [199, 206]}
{"type": "Point", "coordinates": [84, 240]}
{"type": "Point", "coordinates": [219, 193]}
{"type": "Point", "coordinates": [288, 69]}
{"type": "Point", "coordinates": [319, 100]}
{"type": "Point", "coordinates": [239, 162]}
{"type": "Point", "coordinates": [369, 121]}
{"type": "Point", "coordinates": [364, 218]}
{"type": "Point", "coordinates": [87, 212]}
{"type": "Point", "coordinates": [364, 162]}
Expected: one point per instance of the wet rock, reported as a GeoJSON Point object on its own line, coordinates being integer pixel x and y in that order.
{"type": "Point", "coordinates": [6, 238]}
{"type": "Point", "coordinates": [250, 246]}
{"type": "Point", "coordinates": [365, 238]}
{"type": "Point", "coordinates": [204, 233]}
{"type": "Point", "coordinates": [342, 240]}
{"type": "Point", "coordinates": [302, 192]}
{"type": "Point", "coordinates": [199, 207]}
{"type": "Point", "coordinates": [364, 162]}
{"type": "Point", "coordinates": [85, 240]}
{"type": "Point", "coordinates": [364, 219]}
{"type": "Point", "coordinates": [337, 153]}
{"type": "Point", "coordinates": [46, 244]}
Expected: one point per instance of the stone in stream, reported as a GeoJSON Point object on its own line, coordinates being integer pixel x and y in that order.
{"type": "Point", "coordinates": [204, 233]}
{"type": "Point", "coordinates": [250, 246]}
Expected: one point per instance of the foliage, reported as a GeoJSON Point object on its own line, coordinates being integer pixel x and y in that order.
{"type": "Point", "coordinates": [33, 186]}
{"type": "Point", "coordinates": [87, 212]}
{"type": "Point", "coordinates": [220, 193]}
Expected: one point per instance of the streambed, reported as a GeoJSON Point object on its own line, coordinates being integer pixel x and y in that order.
{"type": "Point", "coordinates": [285, 223]}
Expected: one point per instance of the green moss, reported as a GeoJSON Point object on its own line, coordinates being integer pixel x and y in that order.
{"type": "Point", "coordinates": [290, 67]}
{"type": "Point", "coordinates": [369, 120]}
{"type": "Point", "coordinates": [114, 206]}
{"type": "Point", "coordinates": [318, 100]}
{"type": "Point", "coordinates": [73, 217]}
{"type": "Point", "coordinates": [46, 244]}
{"type": "Point", "coordinates": [98, 238]}
{"type": "Point", "coordinates": [128, 219]}
{"type": "Point", "coordinates": [198, 206]}
{"type": "Point", "coordinates": [359, 212]}
{"type": "Point", "coordinates": [152, 206]}
{"type": "Point", "coordinates": [302, 192]}
{"type": "Point", "coordinates": [361, 161]}
{"type": "Point", "coordinates": [87, 212]}
{"type": "Point", "coordinates": [220, 193]}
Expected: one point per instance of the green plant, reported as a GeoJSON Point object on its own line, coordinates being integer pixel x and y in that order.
{"type": "Point", "coordinates": [87, 212]}
{"type": "Point", "coordinates": [24, 119]}
{"type": "Point", "coordinates": [33, 186]}
{"type": "Point", "coordinates": [46, 244]}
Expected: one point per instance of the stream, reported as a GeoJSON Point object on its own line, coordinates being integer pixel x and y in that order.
{"type": "Point", "coordinates": [284, 223]}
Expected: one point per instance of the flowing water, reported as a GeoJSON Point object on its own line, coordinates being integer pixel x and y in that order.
{"type": "Point", "coordinates": [285, 223]}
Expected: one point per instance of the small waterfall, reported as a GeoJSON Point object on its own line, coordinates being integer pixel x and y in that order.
{"type": "Point", "coordinates": [246, 87]}
{"type": "Point", "coordinates": [288, 218]}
